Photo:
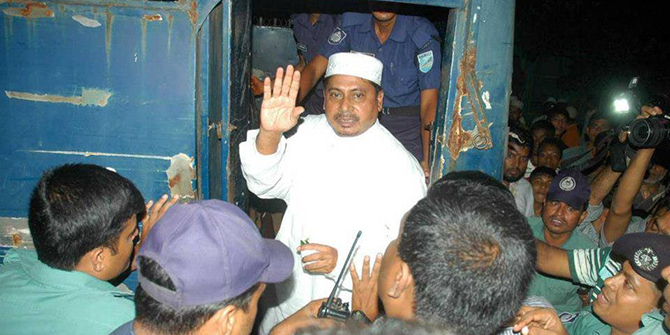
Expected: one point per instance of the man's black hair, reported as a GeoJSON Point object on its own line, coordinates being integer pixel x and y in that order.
{"type": "Point", "coordinates": [476, 178]}
{"type": "Point", "coordinates": [544, 125]}
{"type": "Point", "coordinates": [377, 87]}
{"type": "Point", "coordinates": [471, 254]}
{"type": "Point", "coordinates": [521, 137]}
{"type": "Point", "coordinates": [385, 326]}
{"type": "Point", "coordinates": [549, 141]}
{"type": "Point", "coordinates": [556, 111]}
{"type": "Point", "coordinates": [165, 320]}
{"type": "Point", "coordinates": [600, 115]}
{"type": "Point", "coordinates": [76, 208]}
{"type": "Point", "coordinates": [542, 171]}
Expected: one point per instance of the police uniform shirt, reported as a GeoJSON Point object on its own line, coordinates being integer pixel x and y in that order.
{"type": "Point", "coordinates": [309, 39]}
{"type": "Point", "coordinates": [411, 54]}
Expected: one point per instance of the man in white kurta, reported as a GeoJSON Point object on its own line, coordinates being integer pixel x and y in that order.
{"type": "Point", "coordinates": [341, 172]}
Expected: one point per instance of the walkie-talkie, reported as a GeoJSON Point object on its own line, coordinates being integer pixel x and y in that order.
{"type": "Point", "coordinates": [333, 308]}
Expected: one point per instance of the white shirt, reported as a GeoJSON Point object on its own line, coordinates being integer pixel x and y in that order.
{"type": "Point", "coordinates": [523, 196]}
{"type": "Point", "coordinates": [334, 186]}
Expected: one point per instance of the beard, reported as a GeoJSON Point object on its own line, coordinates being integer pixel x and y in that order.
{"type": "Point", "coordinates": [512, 175]}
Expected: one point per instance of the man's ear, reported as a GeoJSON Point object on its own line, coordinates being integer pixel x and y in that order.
{"type": "Point", "coordinates": [222, 322]}
{"type": "Point", "coordinates": [402, 282]}
{"type": "Point", "coordinates": [380, 101]}
{"type": "Point", "coordinates": [583, 216]}
{"type": "Point", "coordinates": [97, 258]}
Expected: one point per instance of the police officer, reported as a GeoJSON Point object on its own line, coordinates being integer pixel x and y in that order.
{"type": "Point", "coordinates": [311, 30]}
{"type": "Point", "coordinates": [409, 48]}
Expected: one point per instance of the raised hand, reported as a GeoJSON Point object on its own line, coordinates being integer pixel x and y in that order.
{"type": "Point", "coordinates": [278, 110]}
{"type": "Point", "coordinates": [364, 297]}
{"type": "Point", "coordinates": [323, 260]}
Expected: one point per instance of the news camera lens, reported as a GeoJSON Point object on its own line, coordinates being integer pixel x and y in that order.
{"type": "Point", "coordinates": [649, 133]}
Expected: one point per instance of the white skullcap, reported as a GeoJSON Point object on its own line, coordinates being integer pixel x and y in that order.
{"type": "Point", "coordinates": [357, 65]}
{"type": "Point", "coordinates": [551, 99]}
{"type": "Point", "coordinates": [572, 111]}
{"type": "Point", "coordinates": [514, 101]}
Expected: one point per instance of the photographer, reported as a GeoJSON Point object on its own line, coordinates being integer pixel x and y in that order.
{"type": "Point", "coordinates": [620, 218]}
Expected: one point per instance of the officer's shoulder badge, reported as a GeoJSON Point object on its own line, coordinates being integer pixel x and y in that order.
{"type": "Point", "coordinates": [425, 60]}
{"type": "Point", "coordinates": [302, 47]}
{"type": "Point", "coordinates": [337, 36]}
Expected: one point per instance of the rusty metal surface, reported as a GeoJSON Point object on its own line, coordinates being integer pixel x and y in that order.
{"type": "Point", "coordinates": [104, 82]}
{"type": "Point", "coordinates": [472, 116]}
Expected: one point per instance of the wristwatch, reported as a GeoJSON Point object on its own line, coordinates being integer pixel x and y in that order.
{"type": "Point", "coordinates": [359, 316]}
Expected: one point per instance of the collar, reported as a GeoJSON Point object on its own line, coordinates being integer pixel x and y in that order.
{"type": "Point", "coordinates": [399, 32]}
{"type": "Point", "coordinates": [652, 318]}
{"type": "Point", "coordinates": [60, 279]}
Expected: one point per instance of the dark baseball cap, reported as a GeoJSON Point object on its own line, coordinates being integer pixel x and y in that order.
{"type": "Point", "coordinates": [570, 186]}
{"type": "Point", "coordinates": [647, 253]}
{"type": "Point", "coordinates": [212, 252]}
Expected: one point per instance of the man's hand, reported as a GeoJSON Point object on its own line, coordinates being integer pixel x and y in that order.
{"type": "Point", "coordinates": [155, 212]}
{"type": "Point", "coordinates": [322, 261]}
{"type": "Point", "coordinates": [278, 110]}
{"type": "Point", "coordinates": [539, 321]}
{"type": "Point", "coordinates": [426, 169]}
{"type": "Point", "coordinates": [303, 318]}
{"type": "Point", "coordinates": [648, 111]}
{"type": "Point", "coordinates": [364, 297]}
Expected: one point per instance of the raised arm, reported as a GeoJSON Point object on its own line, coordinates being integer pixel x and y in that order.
{"type": "Point", "coordinates": [278, 110]}
{"type": "Point", "coordinates": [311, 75]}
{"type": "Point", "coordinates": [552, 261]}
{"type": "Point", "coordinates": [621, 209]}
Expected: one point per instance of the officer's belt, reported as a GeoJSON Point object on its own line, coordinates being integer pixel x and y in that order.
{"type": "Point", "coordinates": [402, 111]}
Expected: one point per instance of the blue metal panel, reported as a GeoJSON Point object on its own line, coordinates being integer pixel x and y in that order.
{"type": "Point", "coordinates": [104, 82]}
{"type": "Point", "coordinates": [471, 125]}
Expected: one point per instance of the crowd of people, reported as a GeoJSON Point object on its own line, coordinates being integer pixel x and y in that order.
{"type": "Point", "coordinates": [570, 245]}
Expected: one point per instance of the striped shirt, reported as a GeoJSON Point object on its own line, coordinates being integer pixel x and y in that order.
{"type": "Point", "coordinates": [591, 267]}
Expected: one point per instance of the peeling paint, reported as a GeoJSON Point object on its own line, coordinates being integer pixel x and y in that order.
{"type": "Point", "coordinates": [32, 10]}
{"type": "Point", "coordinates": [180, 175]}
{"type": "Point", "coordinates": [102, 154]}
{"type": "Point", "coordinates": [88, 97]}
{"type": "Point", "coordinates": [486, 98]}
{"type": "Point", "coordinates": [155, 17]}
{"type": "Point", "coordinates": [86, 22]}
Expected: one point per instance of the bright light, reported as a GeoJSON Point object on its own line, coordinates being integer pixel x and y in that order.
{"type": "Point", "coordinates": [621, 105]}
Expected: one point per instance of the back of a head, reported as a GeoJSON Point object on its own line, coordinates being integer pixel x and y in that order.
{"type": "Point", "coordinates": [78, 207]}
{"type": "Point", "coordinates": [382, 327]}
{"type": "Point", "coordinates": [474, 179]}
{"type": "Point", "coordinates": [471, 254]}
{"type": "Point", "coordinates": [544, 125]}
{"type": "Point", "coordinates": [164, 319]}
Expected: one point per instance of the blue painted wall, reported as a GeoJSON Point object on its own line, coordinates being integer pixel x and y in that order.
{"type": "Point", "coordinates": [147, 66]}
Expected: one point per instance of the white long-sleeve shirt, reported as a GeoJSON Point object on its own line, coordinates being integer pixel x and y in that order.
{"type": "Point", "coordinates": [334, 186]}
{"type": "Point", "coordinates": [523, 196]}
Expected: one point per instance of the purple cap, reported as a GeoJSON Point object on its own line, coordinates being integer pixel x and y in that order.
{"type": "Point", "coordinates": [571, 187]}
{"type": "Point", "coordinates": [647, 253]}
{"type": "Point", "coordinates": [212, 252]}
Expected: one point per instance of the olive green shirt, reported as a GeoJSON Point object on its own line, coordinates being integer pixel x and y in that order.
{"type": "Point", "coordinates": [561, 293]}
{"type": "Point", "coordinates": [38, 299]}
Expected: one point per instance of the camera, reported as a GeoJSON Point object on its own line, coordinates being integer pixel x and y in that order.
{"type": "Point", "coordinates": [650, 132]}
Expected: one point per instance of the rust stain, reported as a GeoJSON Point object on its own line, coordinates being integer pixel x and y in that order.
{"type": "Point", "coordinates": [174, 181]}
{"type": "Point", "coordinates": [193, 13]}
{"type": "Point", "coordinates": [170, 20]}
{"type": "Point", "coordinates": [180, 175]}
{"type": "Point", "coordinates": [458, 137]}
{"type": "Point", "coordinates": [155, 17]}
{"type": "Point", "coordinates": [109, 22]}
{"type": "Point", "coordinates": [88, 97]}
{"type": "Point", "coordinates": [32, 10]}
